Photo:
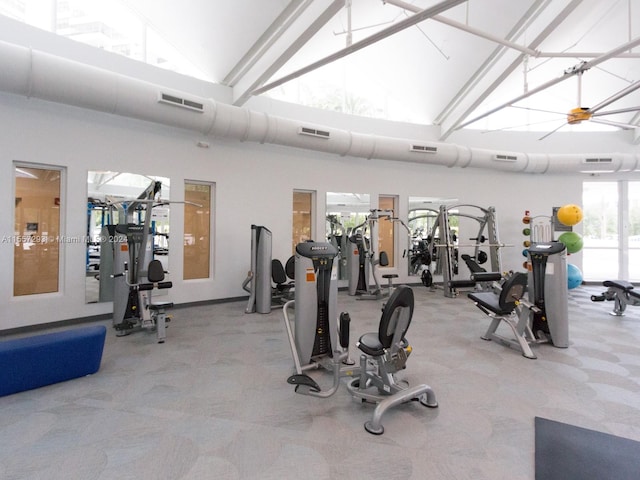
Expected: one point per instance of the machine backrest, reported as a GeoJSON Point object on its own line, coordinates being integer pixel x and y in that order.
{"type": "Point", "coordinates": [383, 261]}
{"type": "Point", "coordinates": [512, 290]}
{"type": "Point", "coordinates": [400, 303]}
{"type": "Point", "coordinates": [278, 275]}
{"type": "Point", "coordinates": [155, 271]}
{"type": "Point", "coordinates": [290, 267]}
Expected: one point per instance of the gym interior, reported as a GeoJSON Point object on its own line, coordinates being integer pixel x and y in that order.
{"type": "Point", "coordinates": [109, 163]}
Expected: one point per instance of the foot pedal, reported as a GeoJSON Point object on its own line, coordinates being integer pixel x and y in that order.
{"type": "Point", "coordinates": [302, 379]}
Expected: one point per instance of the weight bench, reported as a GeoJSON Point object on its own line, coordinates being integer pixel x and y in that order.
{"type": "Point", "coordinates": [40, 360]}
{"type": "Point", "coordinates": [621, 292]}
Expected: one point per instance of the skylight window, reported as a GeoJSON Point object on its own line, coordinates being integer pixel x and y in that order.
{"type": "Point", "coordinates": [110, 26]}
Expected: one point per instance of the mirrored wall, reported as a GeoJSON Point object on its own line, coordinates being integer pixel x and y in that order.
{"type": "Point", "coordinates": [422, 220]}
{"type": "Point", "coordinates": [345, 213]}
{"type": "Point", "coordinates": [117, 198]}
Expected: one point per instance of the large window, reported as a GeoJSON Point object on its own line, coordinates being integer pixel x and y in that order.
{"type": "Point", "coordinates": [197, 230]}
{"type": "Point", "coordinates": [36, 260]}
{"type": "Point", "coordinates": [611, 230]}
{"type": "Point", "coordinates": [114, 26]}
{"type": "Point", "coordinates": [302, 218]}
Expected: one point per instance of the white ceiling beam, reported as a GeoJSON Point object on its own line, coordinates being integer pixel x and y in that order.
{"type": "Point", "coordinates": [455, 124]}
{"type": "Point", "coordinates": [518, 29]}
{"type": "Point", "coordinates": [286, 18]}
{"type": "Point", "coordinates": [584, 55]}
{"type": "Point", "coordinates": [264, 68]}
{"type": "Point", "coordinates": [465, 28]}
{"type": "Point", "coordinates": [622, 93]}
{"type": "Point", "coordinates": [376, 37]}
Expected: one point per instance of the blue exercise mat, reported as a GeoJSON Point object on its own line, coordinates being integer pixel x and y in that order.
{"type": "Point", "coordinates": [567, 452]}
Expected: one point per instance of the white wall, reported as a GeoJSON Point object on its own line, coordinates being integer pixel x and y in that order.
{"type": "Point", "coordinates": [254, 184]}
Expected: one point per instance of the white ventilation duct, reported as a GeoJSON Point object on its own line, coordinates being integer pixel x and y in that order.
{"type": "Point", "coordinates": [56, 79]}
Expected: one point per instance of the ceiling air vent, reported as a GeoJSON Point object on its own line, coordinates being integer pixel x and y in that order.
{"type": "Point", "coordinates": [423, 149]}
{"type": "Point", "coordinates": [591, 161]}
{"type": "Point", "coordinates": [181, 102]}
{"type": "Point", "coordinates": [313, 132]}
{"type": "Point", "coordinates": [505, 158]}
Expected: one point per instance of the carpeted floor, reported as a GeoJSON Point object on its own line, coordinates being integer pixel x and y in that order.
{"type": "Point", "coordinates": [213, 402]}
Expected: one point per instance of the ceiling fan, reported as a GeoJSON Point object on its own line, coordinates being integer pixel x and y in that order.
{"type": "Point", "coordinates": [579, 114]}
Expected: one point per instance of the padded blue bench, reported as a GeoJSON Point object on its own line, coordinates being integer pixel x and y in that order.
{"type": "Point", "coordinates": [39, 360]}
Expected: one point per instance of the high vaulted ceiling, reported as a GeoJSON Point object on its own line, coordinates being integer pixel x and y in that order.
{"type": "Point", "coordinates": [444, 62]}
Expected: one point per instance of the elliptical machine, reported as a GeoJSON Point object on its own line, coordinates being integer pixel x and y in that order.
{"type": "Point", "coordinates": [314, 339]}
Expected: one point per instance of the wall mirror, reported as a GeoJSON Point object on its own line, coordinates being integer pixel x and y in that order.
{"type": "Point", "coordinates": [422, 220]}
{"type": "Point", "coordinates": [345, 212]}
{"type": "Point", "coordinates": [116, 198]}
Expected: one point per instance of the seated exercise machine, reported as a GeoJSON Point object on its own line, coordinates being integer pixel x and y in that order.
{"type": "Point", "coordinates": [314, 339]}
{"type": "Point", "coordinates": [263, 294]}
{"type": "Point", "coordinates": [283, 280]}
{"type": "Point", "coordinates": [541, 316]}
{"type": "Point", "coordinates": [507, 306]}
{"type": "Point", "coordinates": [621, 292]}
{"type": "Point", "coordinates": [142, 312]}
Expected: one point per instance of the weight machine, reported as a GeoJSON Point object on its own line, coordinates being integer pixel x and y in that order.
{"type": "Point", "coordinates": [361, 261]}
{"type": "Point", "coordinates": [129, 245]}
{"type": "Point", "coordinates": [317, 341]}
{"type": "Point", "coordinates": [443, 246]}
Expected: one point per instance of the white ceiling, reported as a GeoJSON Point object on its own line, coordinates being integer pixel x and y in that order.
{"type": "Point", "coordinates": [419, 73]}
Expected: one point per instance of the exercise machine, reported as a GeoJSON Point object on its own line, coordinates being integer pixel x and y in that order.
{"type": "Point", "coordinates": [361, 261]}
{"type": "Point", "coordinates": [550, 292]}
{"type": "Point", "coordinates": [143, 313]}
{"type": "Point", "coordinates": [622, 293]}
{"type": "Point", "coordinates": [509, 306]}
{"type": "Point", "coordinates": [317, 341]}
{"type": "Point", "coordinates": [126, 256]}
{"type": "Point", "coordinates": [258, 281]}
{"type": "Point", "coordinates": [444, 246]}
{"type": "Point", "coordinates": [534, 305]}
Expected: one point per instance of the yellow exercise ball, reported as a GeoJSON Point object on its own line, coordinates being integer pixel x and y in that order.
{"type": "Point", "coordinates": [570, 215]}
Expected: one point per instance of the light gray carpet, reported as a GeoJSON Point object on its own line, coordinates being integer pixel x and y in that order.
{"type": "Point", "coordinates": [213, 402]}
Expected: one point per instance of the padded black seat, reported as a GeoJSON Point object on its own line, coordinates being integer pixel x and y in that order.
{"type": "Point", "coordinates": [622, 285]}
{"type": "Point", "coordinates": [155, 275]}
{"type": "Point", "coordinates": [370, 344]}
{"type": "Point", "coordinates": [503, 304]}
{"type": "Point", "coordinates": [279, 277]}
{"type": "Point", "coordinates": [472, 265]}
{"type": "Point", "coordinates": [375, 344]}
{"type": "Point", "coordinates": [158, 306]}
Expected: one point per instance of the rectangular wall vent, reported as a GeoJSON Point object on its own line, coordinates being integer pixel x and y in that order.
{"type": "Point", "coordinates": [506, 158]}
{"type": "Point", "coordinates": [423, 149]}
{"type": "Point", "coordinates": [181, 102]}
{"type": "Point", "coordinates": [313, 132]}
{"type": "Point", "coordinates": [597, 160]}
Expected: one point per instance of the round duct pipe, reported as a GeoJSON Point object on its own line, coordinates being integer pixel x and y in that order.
{"type": "Point", "coordinates": [56, 79]}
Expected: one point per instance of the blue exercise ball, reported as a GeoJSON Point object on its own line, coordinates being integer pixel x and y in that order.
{"type": "Point", "coordinates": [574, 276]}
